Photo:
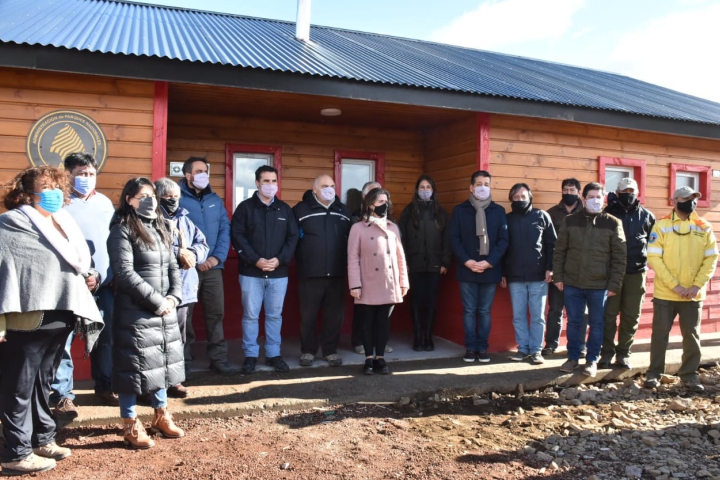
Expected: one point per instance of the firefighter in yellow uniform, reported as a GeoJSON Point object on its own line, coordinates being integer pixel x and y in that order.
{"type": "Point", "coordinates": [683, 253]}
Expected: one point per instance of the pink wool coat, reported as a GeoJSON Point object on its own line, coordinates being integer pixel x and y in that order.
{"type": "Point", "coordinates": [376, 263]}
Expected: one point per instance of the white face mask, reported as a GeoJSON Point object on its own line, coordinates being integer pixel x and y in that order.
{"type": "Point", "coordinates": [327, 194]}
{"type": "Point", "coordinates": [482, 192]}
{"type": "Point", "coordinates": [201, 180]}
{"type": "Point", "coordinates": [594, 205]}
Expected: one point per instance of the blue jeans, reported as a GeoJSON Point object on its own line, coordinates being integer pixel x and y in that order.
{"type": "Point", "coordinates": [477, 300]}
{"type": "Point", "coordinates": [256, 293]}
{"type": "Point", "coordinates": [575, 301]}
{"type": "Point", "coordinates": [128, 401]}
{"type": "Point", "coordinates": [528, 297]}
{"type": "Point", "coordinates": [100, 357]}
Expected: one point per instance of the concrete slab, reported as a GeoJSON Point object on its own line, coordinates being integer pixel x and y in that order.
{"type": "Point", "coordinates": [414, 374]}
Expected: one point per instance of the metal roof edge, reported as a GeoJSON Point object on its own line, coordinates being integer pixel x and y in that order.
{"type": "Point", "coordinates": [163, 69]}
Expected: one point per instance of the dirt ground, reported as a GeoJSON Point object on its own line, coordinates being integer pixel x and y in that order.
{"type": "Point", "coordinates": [441, 437]}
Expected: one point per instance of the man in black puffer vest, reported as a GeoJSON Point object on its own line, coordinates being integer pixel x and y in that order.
{"type": "Point", "coordinates": [324, 225]}
{"type": "Point", "coordinates": [637, 224]}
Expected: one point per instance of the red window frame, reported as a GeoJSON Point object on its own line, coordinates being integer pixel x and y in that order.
{"type": "Point", "coordinates": [378, 157]}
{"type": "Point", "coordinates": [637, 165]}
{"type": "Point", "coordinates": [231, 149]}
{"type": "Point", "coordinates": [705, 183]}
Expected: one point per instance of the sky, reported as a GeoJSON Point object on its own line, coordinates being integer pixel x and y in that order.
{"type": "Point", "coordinates": [672, 43]}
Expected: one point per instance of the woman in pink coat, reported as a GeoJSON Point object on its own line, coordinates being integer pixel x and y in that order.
{"type": "Point", "coordinates": [377, 275]}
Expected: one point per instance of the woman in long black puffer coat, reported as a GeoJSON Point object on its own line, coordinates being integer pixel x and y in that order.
{"type": "Point", "coordinates": [147, 347]}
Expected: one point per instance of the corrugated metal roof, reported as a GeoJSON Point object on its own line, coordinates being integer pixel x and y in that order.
{"type": "Point", "coordinates": [117, 27]}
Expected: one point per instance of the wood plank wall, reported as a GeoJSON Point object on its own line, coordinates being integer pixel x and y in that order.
{"type": "Point", "coordinates": [543, 152]}
{"type": "Point", "coordinates": [307, 149]}
{"type": "Point", "coordinates": [451, 158]}
{"type": "Point", "coordinates": [123, 108]}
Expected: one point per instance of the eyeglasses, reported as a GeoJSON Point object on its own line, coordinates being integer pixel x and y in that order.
{"type": "Point", "coordinates": [143, 197]}
{"type": "Point", "coordinates": [677, 232]}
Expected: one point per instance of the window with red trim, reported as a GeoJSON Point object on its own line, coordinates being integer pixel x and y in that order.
{"type": "Point", "coordinates": [241, 161]}
{"type": "Point", "coordinates": [354, 168]}
{"type": "Point", "coordinates": [697, 177]}
{"type": "Point", "coordinates": [612, 169]}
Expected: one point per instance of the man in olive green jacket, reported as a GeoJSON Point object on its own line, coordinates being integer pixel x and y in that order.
{"type": "Point", "coordinates": [588, 266]}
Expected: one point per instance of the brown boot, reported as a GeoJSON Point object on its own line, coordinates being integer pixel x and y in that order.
{"type": "Point", "coordinates": [135, 435]}
{"type": "Point", "coordinates": [163, 424]}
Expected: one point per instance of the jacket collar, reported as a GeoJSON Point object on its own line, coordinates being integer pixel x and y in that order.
{"type": "Point", "coordinates": [614, 204]}
{"type": "Point", "coordinates": [185, 188]}
{"type": "Point", "coordinates": [260, 204]}
{"type": "Point", "coordinates": [313, 202]}
{"type": "Point", "coordinates": [578, 206]}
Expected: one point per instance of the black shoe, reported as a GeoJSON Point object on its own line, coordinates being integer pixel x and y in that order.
{"type": "Point", "coordinates": [248, 365]}
{"type": "Point", "coordinates": [429, 345]}
{"type": "Point", "coordinates": [380, 366]}
{"type": "Point", "coordinates": [623, 363]}
{"type": "Point", "coordinates": [223, 368]}
{"type": "Point", "coordinates": [547, 351]}
{"type": "Point", "coordinates": [418, 347]}
{"type": "Point", "coordinates": [604, 365]}
{"type": "Point", "coordinates": [368, 367]}
{"type": "Point", "coordinates": [469, 356]}
{"type": "Point", "coordinates": [482, 356]}
{"type": "Point", "coordinates": [278, 363]}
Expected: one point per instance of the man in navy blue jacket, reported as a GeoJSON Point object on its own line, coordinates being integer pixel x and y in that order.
{"type": "Point", "coordinates": [479, 238]}
{"type": "Point", "coordinates": [264, 235]}
{"type": "Point", "coordinates": [207, 212]}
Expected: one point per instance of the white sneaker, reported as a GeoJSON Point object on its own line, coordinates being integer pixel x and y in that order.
{"type": "Point", "coordinates": [30, 464]}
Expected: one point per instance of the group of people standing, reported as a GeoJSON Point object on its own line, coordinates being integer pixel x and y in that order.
{"type": "Point", "coordinates": [127, 280]}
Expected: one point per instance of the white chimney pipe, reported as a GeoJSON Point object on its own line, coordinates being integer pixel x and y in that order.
{"type": "Point", "coordinates": [302, 26]}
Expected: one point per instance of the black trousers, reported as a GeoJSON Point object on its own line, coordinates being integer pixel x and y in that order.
{"type": "Point", "coordinates": [29, 361]}
{"type": "Point", "coordinates": [326, 294]}
{"type": "Point", "coordinates": [424, 289]}
{"type": "Point", "coordinates": [357, 328]}
{"type": "Point", "coordinates": [376, 327]}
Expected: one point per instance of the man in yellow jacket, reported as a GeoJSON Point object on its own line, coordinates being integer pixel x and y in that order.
{"type": "Point", "coordinates": [683, 253]}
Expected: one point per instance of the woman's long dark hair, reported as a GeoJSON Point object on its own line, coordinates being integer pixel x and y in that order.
{"type": "Point", "coordinates": [434, 204]}
{"type": "Point", "coordinates": [371, 198]}
{"type": "Point", "coordinates": [127, 215]}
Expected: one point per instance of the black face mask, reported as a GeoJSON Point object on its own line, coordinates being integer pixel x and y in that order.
{"type": "Point", "coordinates": [381, 210]}
{"type": "Point", "coordinates": [521, 206]}
{"type": "Point", "coordinates": [687, 207]}
{"type": "Point", "coordinates": [170, 204]}
{"type": "Point", "coordinates": [146, 208]}
{"type": "Point", "coordinates": [627, 199]}
{"type": "Point", "coordinates": [569, 199]}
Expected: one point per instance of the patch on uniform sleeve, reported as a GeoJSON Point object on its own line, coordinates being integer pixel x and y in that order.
{"type": "Point", "coordinates": [653, 237]}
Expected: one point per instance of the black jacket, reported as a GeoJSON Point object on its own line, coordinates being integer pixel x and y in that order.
{"type": "Point", "coordinates": [147, 348]}
{"type": "Point", "coordinates": [263, 231]}
{"type": "Point", "coordinates": [532, 244]}
{"type": "Point", "coordinates": [322, 246]}
{"type": "Point", "coordinates": [427, 247]}
{"type": "Point", "coordinates": [637, 224]}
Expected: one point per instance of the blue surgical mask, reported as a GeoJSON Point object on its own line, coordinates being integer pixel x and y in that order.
{"type": "Point", "coordinates": [51, 200]}
{"type": "Point", "coordinates": [85, 185]}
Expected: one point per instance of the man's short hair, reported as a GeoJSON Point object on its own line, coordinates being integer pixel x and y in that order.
{"type": "Point", "coordinates": [187, 166]}
{"type": "Point", "coordinates": [165, 186]}
{"type": "Point", "coordinates": [79, 160]}
{"type": "Point", "coordinates": [515, 188]}
{"type": "Point", "coordinates": [592, 186]}
{"type": "Point", "coordinates": [479, 173]}
{"type": "Point", "coordinates": [263, 169]}
{"type": "Point", "coordinates": [369, 186]}
{"type": "Point", "coordinates": [570, 182]}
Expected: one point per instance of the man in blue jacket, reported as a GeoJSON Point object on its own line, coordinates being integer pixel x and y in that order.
{"type": "Point", "coordinates": [479, 238]}
{"type": "Point", "coordinates": [207, 212]}
{"type": "Point", "coordinates": [264, 235]}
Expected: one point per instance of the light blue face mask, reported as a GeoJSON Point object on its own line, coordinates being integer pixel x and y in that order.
{"type": "Point", "coordinates": [51, 200]}
{"type": "Point", "coordinates": [85, 185]}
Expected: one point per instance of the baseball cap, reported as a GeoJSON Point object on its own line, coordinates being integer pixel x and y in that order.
{"type": "Point", "coordinates": [684, 192]}
{"type": "Point", "coordinates": [627, 182]}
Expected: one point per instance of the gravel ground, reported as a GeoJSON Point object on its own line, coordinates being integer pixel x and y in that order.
{"type": "Point", "coordinates": [602, 431]}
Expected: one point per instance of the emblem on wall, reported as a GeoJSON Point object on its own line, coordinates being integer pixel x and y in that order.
{"type": "Point", "coordinates": [57, 134]}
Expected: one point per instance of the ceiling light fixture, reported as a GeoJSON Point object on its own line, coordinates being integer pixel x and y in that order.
{"type": "Point", "coordinates": [331, 112]}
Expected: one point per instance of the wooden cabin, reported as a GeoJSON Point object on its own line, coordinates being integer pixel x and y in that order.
{"type": "Point", "coordinates": [256, 95]}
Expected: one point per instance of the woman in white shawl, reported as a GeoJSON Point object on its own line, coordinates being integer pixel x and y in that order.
{"type": "Point", "coordinates": [45, 281]}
